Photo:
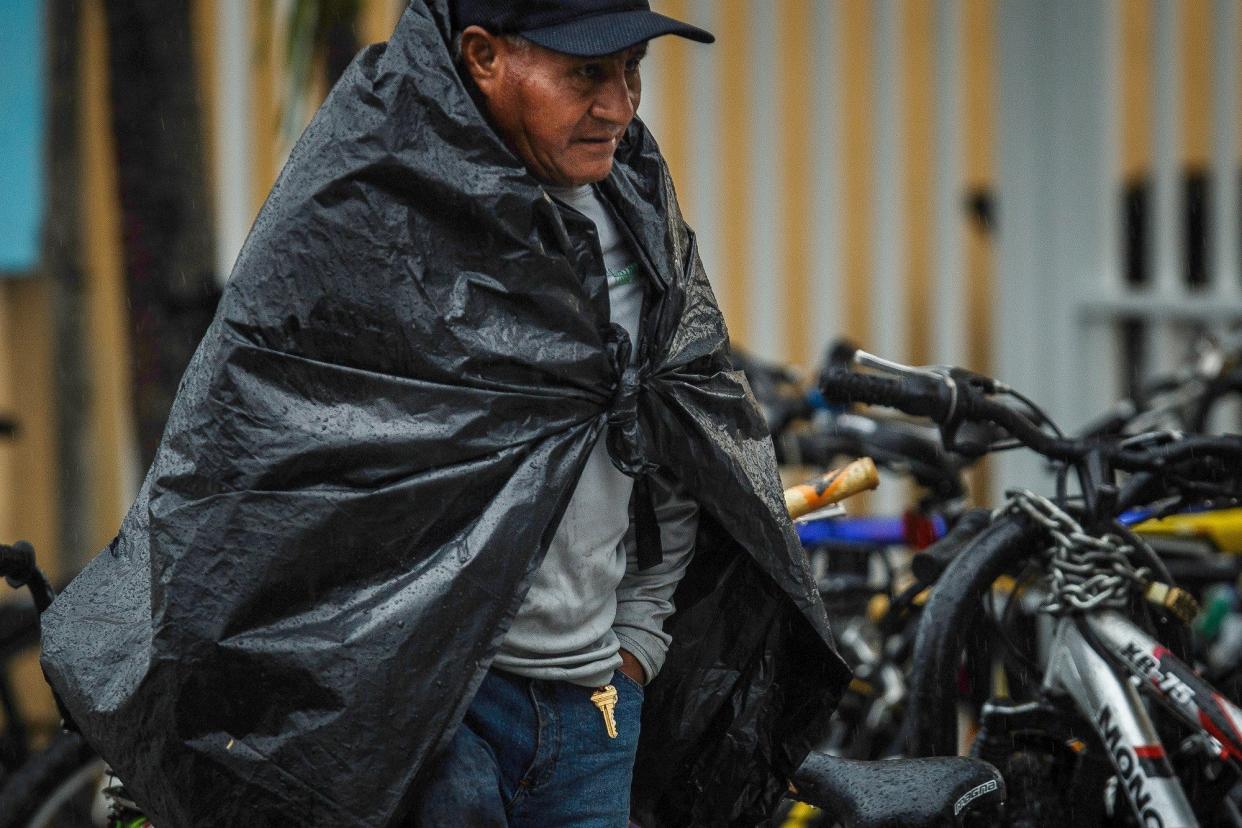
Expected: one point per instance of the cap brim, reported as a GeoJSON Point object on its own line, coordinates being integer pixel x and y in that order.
{"type": "Point", "coordinates": [605, 34]}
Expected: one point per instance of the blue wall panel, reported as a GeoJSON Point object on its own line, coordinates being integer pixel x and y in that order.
{"type": "Point", "coordinates": [21, 134]}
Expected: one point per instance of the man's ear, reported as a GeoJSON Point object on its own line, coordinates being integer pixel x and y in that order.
{"type": "Point", "coordinates": [480, 53]}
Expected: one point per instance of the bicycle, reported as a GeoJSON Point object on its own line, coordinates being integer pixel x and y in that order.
{"type": "Point", "coordinates": [1185, 401]}
{"type": "Point", "coordinates": [57, 787]}
{"type": "Point", "coordinates": [19, 630]}
{"type": "Point", "coordinates": [1084, 745]}
{"type": "Point", "coordinates": [862, 562]}
{"type": "Point", "coordinates": [894, 792]}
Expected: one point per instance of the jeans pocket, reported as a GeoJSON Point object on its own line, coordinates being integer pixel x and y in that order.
{"type": "Point", "coordinates": [623, 679]}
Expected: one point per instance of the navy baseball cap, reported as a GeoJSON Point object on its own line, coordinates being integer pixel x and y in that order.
{"type": "Point", "coordinates": [584, 28]}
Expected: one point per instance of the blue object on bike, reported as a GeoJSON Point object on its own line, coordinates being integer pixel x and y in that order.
{"type": "Point", "coordinates": [865, 531]}
{"type": "Point", "coordinates": [815, 399]}
{"type": "Point", "coordinates": [1133, 517]}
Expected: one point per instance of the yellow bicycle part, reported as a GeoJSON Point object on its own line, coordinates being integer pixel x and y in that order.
{"type": "Point", "coordinates": [1223, 527]}
{"type": "Point", "coordinates": [801, 815]}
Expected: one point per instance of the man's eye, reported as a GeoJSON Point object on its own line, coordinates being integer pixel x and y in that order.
{"type": "Point", "coordinates": [591, 71]}
{"type": "Point", "coordinates": [632, 64]}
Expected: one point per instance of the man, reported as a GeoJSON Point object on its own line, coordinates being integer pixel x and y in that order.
{"type": "Point", "coordinates": [561, 83]}
{"type": "Point", "coordinates": [383, 555]}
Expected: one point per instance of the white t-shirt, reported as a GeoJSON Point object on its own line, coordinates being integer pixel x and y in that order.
{"type": "Point", "coordinates": [581, 598]}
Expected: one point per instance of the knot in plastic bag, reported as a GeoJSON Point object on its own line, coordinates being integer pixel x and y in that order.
{"type": "Point", "coordinates": [624, 437]}
{"type": "Point", "coordinates": [625, 446]}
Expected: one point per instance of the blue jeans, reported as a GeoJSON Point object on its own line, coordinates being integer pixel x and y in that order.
{"type": "Point", "coordinates": [535, 754]}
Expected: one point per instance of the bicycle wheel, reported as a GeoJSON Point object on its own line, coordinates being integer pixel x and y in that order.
{"type": "Point", "coordinates": [56, 788]}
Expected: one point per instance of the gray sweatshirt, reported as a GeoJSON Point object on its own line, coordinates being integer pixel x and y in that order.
{"type": "Point", "coordinates": [588, 598]}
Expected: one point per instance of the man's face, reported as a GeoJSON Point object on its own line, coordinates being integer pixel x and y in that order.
{"type": "Point", "coordinates": [562, 115]}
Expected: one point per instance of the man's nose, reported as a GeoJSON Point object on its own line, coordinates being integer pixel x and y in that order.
{"type": "Point", "coordinates": [615, 102]}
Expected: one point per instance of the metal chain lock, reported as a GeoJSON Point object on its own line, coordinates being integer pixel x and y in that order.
{"type": "Point", "coordinates": [1085, 571]}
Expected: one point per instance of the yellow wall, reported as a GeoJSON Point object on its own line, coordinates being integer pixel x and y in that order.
{"type": "Point", "coordinates": [979, 131]}
{"type": "Point", "coordinates": [28, 485]}
{"type": "Point", "coordinates": [1137, 61]}
{"type": "Point", "coordinates": [28, 463]}
{"type": "Point", "coordinates": [113, 443]}
{"type": "Point", "coordinates": [27, 355]}
{"type": "Point", "coordinates": [851, 61]}
{"type": "Point", "coordinates": [28, 466]}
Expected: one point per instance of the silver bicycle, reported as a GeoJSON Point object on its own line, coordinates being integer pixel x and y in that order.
{"type": "Point", "coordinates": [1070, 660]}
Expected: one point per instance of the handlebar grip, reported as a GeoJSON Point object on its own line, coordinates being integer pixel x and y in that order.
{"type": "Point", "coordinates": [17, 567]}
{"type": "Point", "coordinates": [17, 562]}
{"type": "Point", "coordinates": [913, 395]}
{"type": "Point", "coordinates": [930, 563]}
{"type": "Point", "coordinates": [832, 487]}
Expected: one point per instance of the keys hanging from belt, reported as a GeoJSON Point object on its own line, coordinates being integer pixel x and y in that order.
{"type": "Point", "coordinates": [605, 698]}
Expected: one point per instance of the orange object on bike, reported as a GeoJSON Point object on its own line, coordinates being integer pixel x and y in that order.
{"type": "Point", "coordinates": [832, 487]}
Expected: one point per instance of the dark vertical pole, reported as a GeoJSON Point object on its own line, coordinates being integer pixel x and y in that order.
{"type": "Point", "coordinates": [62, 265]}
{"type": "Point", "coordinates": [166, 214]}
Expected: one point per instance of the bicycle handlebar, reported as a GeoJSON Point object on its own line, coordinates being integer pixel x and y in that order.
{"type": "Point", "coordinates": [900, 445]}
{"type": "Point", "coordinates": [17, 562]}
{"type": "Point", "coordinates": [914, 395]}
{"type": "Point", "coordinates": [948, 402]}
{"type": "Point", "coordinates": [832, 487]}
{"type": "Point", "coordinates": [17, 566]}
{"type": "Point", "coordinates": [944, 401]}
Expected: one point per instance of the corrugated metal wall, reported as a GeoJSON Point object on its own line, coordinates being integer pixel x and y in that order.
{"type": "Point", "coordinates": [824, 151]}
{"type": "Point", "coordinates": [827, 153]}
{"type": "Point", "coordinates": [1118, 185]}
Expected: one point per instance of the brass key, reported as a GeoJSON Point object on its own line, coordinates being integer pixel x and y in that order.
{"type": "Point", "coordinates": [605, 698]}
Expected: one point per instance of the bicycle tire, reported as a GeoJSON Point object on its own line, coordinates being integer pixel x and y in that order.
{"type": "Point", "coordinates": [955, 605]}
{"type": "Point", "coordinates": [50, 779]}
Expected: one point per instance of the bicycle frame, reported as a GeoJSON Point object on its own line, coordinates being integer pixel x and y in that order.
{"type": "Point", "coordinates": [895, 530]}
{"type": "Point", "coordinates": [869, 530]}
{"type": "Point", "coordinates": [1118, 715]}
{"type": "Point", "coordinates": [1093, 658]}
{"type": "Point", "coordinates": [1172, 683]}
{"type": "Point", "coordinates": [1222, 526]}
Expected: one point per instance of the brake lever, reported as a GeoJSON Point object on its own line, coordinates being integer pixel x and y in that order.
{"type": "Point", "coordinates": [1100, 489]}
{"type": "Point", "coordinates": [943, 374]}
{"type": "Point", "coordinates": [887, 366]}
{"type": "Point", "coordinates": [984, 384]}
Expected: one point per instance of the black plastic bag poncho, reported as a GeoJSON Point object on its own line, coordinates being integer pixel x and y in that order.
{"type": "Point", "coordinates": [369, 455]}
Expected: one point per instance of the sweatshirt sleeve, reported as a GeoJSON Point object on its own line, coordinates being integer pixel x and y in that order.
{"type": "Point", "coordinates": [644, 599]}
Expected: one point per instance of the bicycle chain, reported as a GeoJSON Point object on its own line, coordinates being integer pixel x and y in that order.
{"type": "Point", "coordinates": [1085, 571]}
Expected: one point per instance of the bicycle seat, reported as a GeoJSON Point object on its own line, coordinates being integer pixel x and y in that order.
{"type": "Point", "coordinates": [899, 793]}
